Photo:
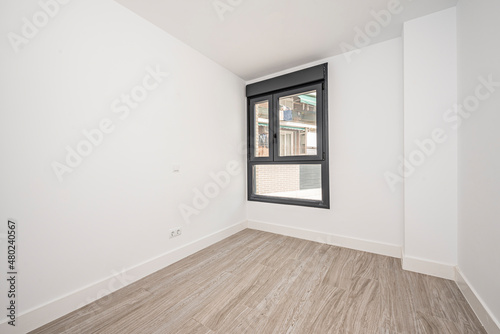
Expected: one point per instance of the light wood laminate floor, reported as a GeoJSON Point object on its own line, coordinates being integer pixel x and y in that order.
{"type": "Point", "coordinates": [258, 282]}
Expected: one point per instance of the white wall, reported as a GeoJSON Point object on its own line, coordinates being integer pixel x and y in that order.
{"type": "Point", "coordinates": [430, 79]}
{"type": "Point", "coordinates": [479, 155]}
{"type": "Point", "coordinates": [366, 139]}
{"type": "Point", "coordinates": [115, 210]}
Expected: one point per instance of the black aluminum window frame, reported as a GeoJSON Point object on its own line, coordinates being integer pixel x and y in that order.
{"type": "Point", "coordinates": [272, 90]}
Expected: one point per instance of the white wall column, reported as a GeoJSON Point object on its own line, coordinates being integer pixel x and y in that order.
{"type": "Point", "coordinates": [430, 148]}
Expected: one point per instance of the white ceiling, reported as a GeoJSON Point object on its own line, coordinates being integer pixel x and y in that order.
{"type": "Point", "coordinates": [254, 38]}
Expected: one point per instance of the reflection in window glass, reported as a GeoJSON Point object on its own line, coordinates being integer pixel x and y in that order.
{"type": "Point", "coordinates": [262, 129]}
{"type": "Point", "coordinates": [288, 181]}
{"type": "Point", "coordinates": [297, 124]}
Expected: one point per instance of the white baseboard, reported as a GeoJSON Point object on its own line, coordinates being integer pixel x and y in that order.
{"type": "Point", "coordinates": [484, 314]}
{"type": "Point", "coordinates": [35, 318]}
{"type": "Point", "coordinates": [427, 267]}
{"type": "Point", "coordinates": [330, 239]}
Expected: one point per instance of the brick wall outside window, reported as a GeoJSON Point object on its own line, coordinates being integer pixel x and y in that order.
{"type": "Point", "coordinates": [276, 178]}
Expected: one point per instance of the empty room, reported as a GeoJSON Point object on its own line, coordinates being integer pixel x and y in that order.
{"type": "Point", "coordinates": [236, 166]}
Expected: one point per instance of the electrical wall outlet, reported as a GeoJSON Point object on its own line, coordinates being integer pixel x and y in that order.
{"type": "Point", "coordinates": [175, 232]}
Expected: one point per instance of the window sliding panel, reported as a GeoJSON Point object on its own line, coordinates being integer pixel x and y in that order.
{"type": "Point", "coordinates": [261, 123]}
{"type": "Point", "coordinates": [262, 129]}
{"type": "Point", "coordinates": [299, 124]}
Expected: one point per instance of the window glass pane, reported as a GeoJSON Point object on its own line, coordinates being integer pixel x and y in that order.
{"type": "Point", "coordinates": [261, 129]}
{"type": "Point", "coordinates": [297, 121]}
{"type": "Point", "coordinates": [290, 181]}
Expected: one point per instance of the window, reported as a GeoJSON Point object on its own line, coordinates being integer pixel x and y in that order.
{"type": "Point", "coordinates": [288, 139]}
